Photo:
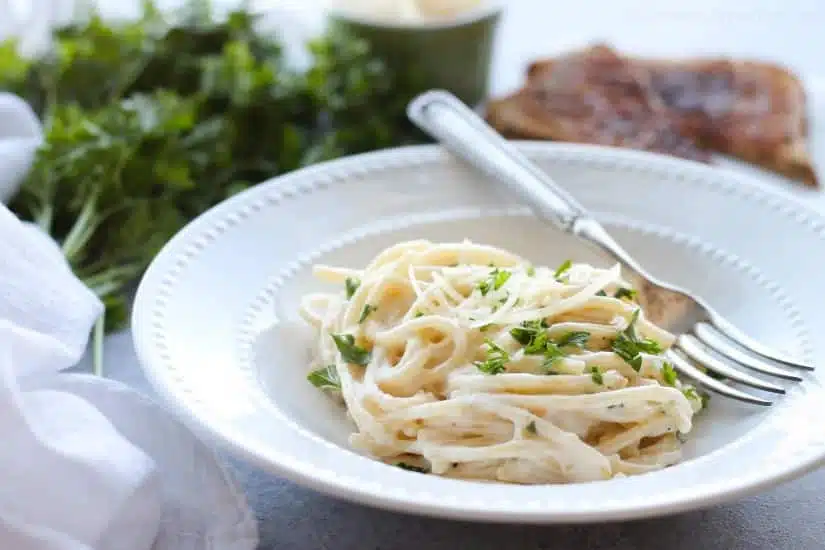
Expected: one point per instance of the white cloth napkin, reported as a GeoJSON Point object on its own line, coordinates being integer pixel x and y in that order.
{"type": "Point", "coordinates": [86, 464]}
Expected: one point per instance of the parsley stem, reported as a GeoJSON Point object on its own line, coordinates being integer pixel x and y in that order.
{"type": "Point", "coordinates": [111, 277]}
{"type": "Point", "coordinates": [81, 231]}
{"type": "Point", "coordinates": [97, 344]}
{"type": "Point", "coordinates": [44, 218]}
{"type": "Point", "coordinates": [105, 288]}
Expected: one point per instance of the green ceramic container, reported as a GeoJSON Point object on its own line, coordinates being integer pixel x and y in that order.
{"type": "Point", "coordinates": [452, 55]}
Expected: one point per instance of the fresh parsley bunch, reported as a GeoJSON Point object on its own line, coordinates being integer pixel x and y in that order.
{"type": "Point", "coordinates": [149, 123]}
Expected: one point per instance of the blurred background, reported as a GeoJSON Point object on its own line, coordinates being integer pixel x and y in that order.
{"type": "Point", "coordinates": [789, 31]}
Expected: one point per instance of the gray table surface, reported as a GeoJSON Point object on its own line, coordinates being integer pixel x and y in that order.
{"type": "Point", "coordinates": [791, 517]}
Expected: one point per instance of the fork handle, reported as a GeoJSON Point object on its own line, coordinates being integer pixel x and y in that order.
{"type": "Point", "coordinates": [460, 130]}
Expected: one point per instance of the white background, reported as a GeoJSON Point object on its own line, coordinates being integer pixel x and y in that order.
{"type": "Point", "coordinates": [790, 31]}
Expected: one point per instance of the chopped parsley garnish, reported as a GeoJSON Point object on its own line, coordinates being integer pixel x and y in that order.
{"type": "Point", "coordinates": [601, 293]}
{"type": "Point", "coordinates": [596, 375]}
{"type": "Point", "coordinates": [628, 293]}
{"type": "Point", "coordinates": [629, 346]}
{"type": "Point", "coordinates": [531, 271]}
{"type": "Point", "coordinates": [325, 378]}
{"type": "Point", "coordinates": [562, 269]}
{"type": "Point", "coordinates": [351, 285]}
{"type": "Point", "coordinates": [368, 308]}
{"type": "Point", "coordinates": [552, 354]}
{"type": "Point", "coordinates": [418, 314]}
{"type": "Point", "coordinates": [531, 427]}
{"type": "Point", "coordinates": [625, 349]}
{"type": "Point", "coordinates": [539, 344]}
{"type": "Point", "coordinates": [691, 393]}
{"type": "Point", "coordinates": [669, 374]}
{"type": "Point", "coordinates": [615, 406]}
{"type": "Point", "coordinates": [411, 468]}
{"type": "Point", "coordinates": [496, 360]}
{"type": "Point", "coordinates": [498, 277]}
{"type": "Point", "coordinates": [533, 336]}
{"type": "Point", "coordinates": [528, 331]}
{"type": "Point", "coordinates": [349, 351]}
{"type": "Point", "coordinates": [485, 328]}
{"type": "Point", "coordinates": [576, 339]}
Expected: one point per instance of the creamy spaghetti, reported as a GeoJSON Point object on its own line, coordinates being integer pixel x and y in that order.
{"type": "Point", "coordinates": [466, 361]}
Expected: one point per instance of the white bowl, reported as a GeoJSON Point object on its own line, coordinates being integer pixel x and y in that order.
{"type": "Point", "coordinates": [752, 252]}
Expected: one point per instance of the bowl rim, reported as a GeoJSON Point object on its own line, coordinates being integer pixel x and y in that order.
{"type": "Point", "coordinates": [489, 10]}
{"type": "Point", "coordinates": [278, 462]}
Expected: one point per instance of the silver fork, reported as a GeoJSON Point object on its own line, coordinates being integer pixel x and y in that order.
{"type": "Point", "coordinates": [704, 337]}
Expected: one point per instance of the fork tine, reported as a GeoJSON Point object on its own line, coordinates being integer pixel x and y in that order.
{"type": "Point", "coordinates": [708, 336]}
{"type": "Point", "coordinates": [743, 339]}
{"type": "Point", "coordinates": [696, 351]}
{"type": "Point", "coordinates": [684, 367]}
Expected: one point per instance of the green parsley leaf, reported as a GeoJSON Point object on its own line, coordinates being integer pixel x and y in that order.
{"type": "Point", "coordinates": [552, 355]}
{"type": "Point", "coordinates": [418, 314]}
{"type": "Point", "coordinates": [576, 338]}
{"type": "Point", "coordinates": [351, 286]}
{"type": "Point", "coordinates": [531, 427]}
{"type": "Point", "coordinates": [349, 351]}
{"type": "Point", "coordinates": [630, 330]}
{"type": "Point", "coordinates": [533, 336]}
{"type": "Point", "coordinates": [496, 280]}
{"type": "Point", "coordinates": [496, 360]}
{"type": "Point", "coordinates": [368, 308]}
{"type": "Point", "coordinates": [691, 393]}
{"type": "Point", "coordinates": [325, 378]}
{"type": "Point", "coordinates": [649, 346]}
{"type": "Point", "coordinates": [627, 350]}
{"type": "Point", "coordinates": [411, 468]}
{"type": "Point", "coordinates": [669, 374]}
{"type": "Point", "coordinates": [531, 270]}
{"type": "Point", "coordinates": [562, 269]}
{"type": "Point", "coordinates": [629, 346]}
{"type": "Point", "coordinates": [596, 375]}
{"type": "Point", "coordinates": [523, 334]}
{"type": "Point", "coordinates": [601, 293]}
{"type": "Point", "coordinates": [500, 278]}
{"type": "Point", "coordinates": [528, 331]}
{"type": "Point", "coordinates": [628, 293]}
{"type": "Point", "coordinates": [538, 344]}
